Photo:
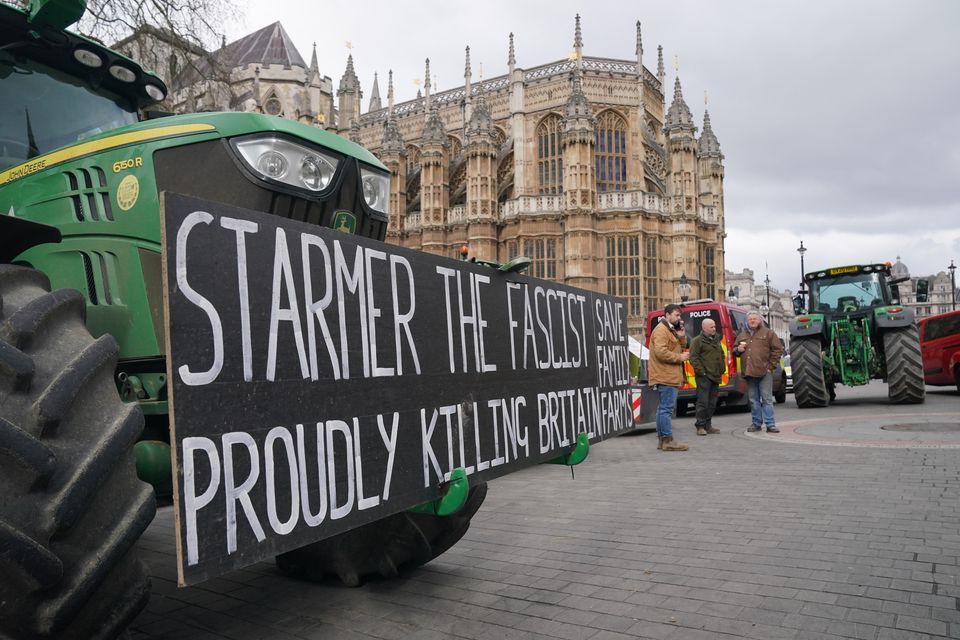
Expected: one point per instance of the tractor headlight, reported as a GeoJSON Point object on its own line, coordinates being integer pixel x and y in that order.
{"type": "Point", "coordinates": [287, 162]}
{"type": "Point", "coordinates": [376, 190]}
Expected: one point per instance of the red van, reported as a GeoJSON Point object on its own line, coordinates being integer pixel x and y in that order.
{"type": "Point", "coordinates": [731, 320]}
{"type": "Point", "coordinates": [940, 346]}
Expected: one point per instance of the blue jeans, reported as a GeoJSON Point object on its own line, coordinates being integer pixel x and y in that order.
{"type": "Point", "coordinates": [761, 400]}
{"type": "Point", "coordinates": [668, 402]}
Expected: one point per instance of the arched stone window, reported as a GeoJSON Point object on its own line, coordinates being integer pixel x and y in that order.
{"type": "Point", "coordinates": [611, 152]}
{"type": "Point", "coordinates": [456, 147]}
{"type": "Point", "coordinates": [549, 156]}
{"type": "Point", "coordinates": [413, 158]}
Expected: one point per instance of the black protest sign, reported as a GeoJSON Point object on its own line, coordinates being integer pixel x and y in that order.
{"type": "Point", "coordinates": [320, 381]}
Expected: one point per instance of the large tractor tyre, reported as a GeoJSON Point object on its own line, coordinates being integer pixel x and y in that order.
{"type": "Point", "coordinates": [809, 388]}
{"type": "Point", "coordinates": [904, 366]}
{"type": "Point", "coordinates": [71, 506]}
{"type": "Point", "coordinates": [385, 547]}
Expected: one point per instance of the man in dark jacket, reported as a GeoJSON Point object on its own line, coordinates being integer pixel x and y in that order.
{"type": "Point", "coordinates": [760, 350]}
{"type": "Point", "coordinates": [706, 356]}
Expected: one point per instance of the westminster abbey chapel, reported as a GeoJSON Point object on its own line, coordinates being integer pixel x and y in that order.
{"type": "Point", "coordinates": [578, 164]}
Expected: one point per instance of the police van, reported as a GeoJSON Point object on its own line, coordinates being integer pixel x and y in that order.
{"type": "Point", "coordinates": [731, 320]}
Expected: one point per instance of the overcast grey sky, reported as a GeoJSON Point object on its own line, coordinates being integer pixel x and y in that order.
{"type": "Point", "coordinates": [839, 120]}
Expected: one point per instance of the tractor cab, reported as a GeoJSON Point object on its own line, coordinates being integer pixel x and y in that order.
{"type": "Point", "coordinates": [848, 290]}
{"type": "Point", "coordinates": [60, 88]}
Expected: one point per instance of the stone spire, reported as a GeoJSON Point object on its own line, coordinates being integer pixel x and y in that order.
{"type": "Point", "coordinates": [375, 104]}
{"type": "Point", "coordinates": [661, 74]}
{"type": "Point", "coordinates": [314, 67]}
{"type": "Point", "coordinates": [349, 79]}
{"type": "Point", "coordinates": [577, 140]}
{"type": "Point", "coordinates": [679, 116]}
{"type": "Point", "coordinates": [392, 142]}
{"type": "Point", "coordinates": [426, 86]}
{"type": "Point", "coordinates": [640, 85]}
{"type": "Point", "coordinates": [390, 94]}
{"type": "Point", "coordinates": [348, 96]}
{"type": "Point", "coordinates": [578, 38]}
{"type": "Point", "coordinates": [434, 132]}
{"type": "Point", "coordinates": [511, 56]}
{"type": "Point", "coordinates": [577, 104]}
{"type": "Point", "coordinates": [709, 146]}
{"type": "Point", "coordinates": [481, 123]}
{"type": "Point", "coordinates": [467, 82]}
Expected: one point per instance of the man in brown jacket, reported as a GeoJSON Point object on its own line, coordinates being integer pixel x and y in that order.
{"type": "Point", "coordinates": [665, 372]}
{"type": "Point", "coordinates": [760, 350]}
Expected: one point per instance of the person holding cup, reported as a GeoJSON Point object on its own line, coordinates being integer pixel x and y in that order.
{"type": "Point", "coordinates": [759, 349]}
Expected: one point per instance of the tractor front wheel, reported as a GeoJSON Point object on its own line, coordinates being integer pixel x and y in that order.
{"type": "Point", "coordinates": [806, 358]}
{"type": "Point", "coordinates": [904, 366]}
{"type": "Point", "coordinates": [71, 506]}
{"type": "Point", "coordinates": [402, 541]}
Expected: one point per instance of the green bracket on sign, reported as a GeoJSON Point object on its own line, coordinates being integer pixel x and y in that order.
{"type": "Point", "coordinates": [577, 455]}
{"type": "Point", "coordinates": [455, 496]}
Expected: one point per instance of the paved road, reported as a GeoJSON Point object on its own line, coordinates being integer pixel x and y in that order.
{"type": "Point", "coordinates": [741, 537]}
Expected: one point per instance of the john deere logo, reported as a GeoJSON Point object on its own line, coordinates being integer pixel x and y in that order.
{"type": "Point", "coordinates": [344, 221]}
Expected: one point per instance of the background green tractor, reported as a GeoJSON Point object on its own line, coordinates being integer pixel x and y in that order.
{"type": "Point", "coordinates": [853, 330]}
{"type": "Point", "coordinates": [81, 316]}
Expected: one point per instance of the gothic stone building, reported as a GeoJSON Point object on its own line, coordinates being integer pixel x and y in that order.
{"type": "Point", "coordinates": [262, 71]}
{"type": "Point", "coordinates": [577, 164]}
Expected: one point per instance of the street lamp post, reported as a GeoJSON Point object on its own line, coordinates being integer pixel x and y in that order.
{"type": "Point", "coordinates": [953, 284]}
{"type": "Point", "coordinates": [803, 291]}
{"type": "Point", "coordinates": [765, 307]}
{"type": "Point", "coordinates": [684, 288]}
{"type": "Point", "coordinates": [732, 296]}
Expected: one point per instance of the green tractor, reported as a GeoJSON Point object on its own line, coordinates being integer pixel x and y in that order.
{"type": "Point", "coordinates": [854, 330]}
{"type": "Point", "coordinates": [82, 368]}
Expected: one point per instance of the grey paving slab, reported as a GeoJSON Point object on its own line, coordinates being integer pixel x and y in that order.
{"type": "Point", "coordinates": [740, 537]}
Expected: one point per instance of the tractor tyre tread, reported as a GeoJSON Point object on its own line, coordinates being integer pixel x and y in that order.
{"type": "Point", "coordinates": [71, 506]}
{"type": "Point", "coordinates": [904, 366]}
{"type": "Point", "coordinates": [809, 388]}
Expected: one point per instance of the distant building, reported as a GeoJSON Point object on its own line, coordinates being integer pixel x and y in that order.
{"type": "Point", "coordinates": [262, 71]}
{"type": "Point", "coordinates": [939, 298]}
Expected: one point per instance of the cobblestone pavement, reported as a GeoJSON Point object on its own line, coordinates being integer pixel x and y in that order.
{"type": "Point", "coordinates": [741, 537]}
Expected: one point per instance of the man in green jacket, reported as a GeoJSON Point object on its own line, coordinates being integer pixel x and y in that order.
{"type": "Point", "coordinates": [706, 356]}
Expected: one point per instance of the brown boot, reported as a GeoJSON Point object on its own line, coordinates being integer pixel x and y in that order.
{"type": "Point", "coordinates": [659, 442]}
{"type": "Point", "coordinates": [713, 430]}
{"type": "Point", "coordinates": [670, 445]}
{"type": "Point", "coordinates": [701, 431]}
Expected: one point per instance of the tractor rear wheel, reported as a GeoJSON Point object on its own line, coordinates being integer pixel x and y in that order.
{"type": "Point", "coordinates": [385, 547]}
{"type": "Point", "coordinates": [806, 358]}
{"type": "Point", "coordinates": [904, 366]}
{"type": "Point", "coordinates": [71, 506]}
